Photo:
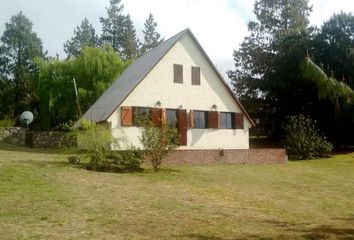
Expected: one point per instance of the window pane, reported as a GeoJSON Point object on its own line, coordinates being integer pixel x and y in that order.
{"type": "Point", "coordinates": [202, 120]}
{"type": "Point", "coordinates": [171, 116]}
{"type": "Point", "coordinates": [226, 120]}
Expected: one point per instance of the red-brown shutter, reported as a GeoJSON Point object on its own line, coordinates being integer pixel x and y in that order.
{"type": "Point", "coordinates": [182, 126]}
{"type": "Point", "coordinates": [156, 116]}
{"type": "Point", "coordinates": [191, 119]}
{"type": "Point", "coordinates": [163, 117]}
{"type": "Point", "coordinates": [126, 116]}
{"type": "Point", "coordinates": [239, 120]}
{"type": "Point", "coordinates": [213, 119]}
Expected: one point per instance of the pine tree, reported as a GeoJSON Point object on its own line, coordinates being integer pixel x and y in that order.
{"type": "Point", "coordinates": [131, 43]}
{"type": "Point", "coordinates": [151, 36]}
{"type": "Point", "coordinates": [19, 46]}
{"type": "Point", "coordinates": [113, 26]}
{"type": "Point", "coordinates": [84, 35]}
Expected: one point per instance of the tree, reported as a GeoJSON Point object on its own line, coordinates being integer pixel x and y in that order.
{"type": "Point", "coordinates": [334, 47]}
{"type": "Point", "coordinates": [157, 141]}
{"type": "Point", "coordinates": [131, 43]}
{"type": "Point", "coordinates": [151, 36]}
{"type": "Point", "coordinates": [94, 70]}
{"type": "Point", "coordinates": [266, 77]}
{"type": "Point", "coordinates": [113, 26]}
{"type": "Point", "coordinates": [84, 35]}
{"type": "Point", "coordinates": [19, 46]}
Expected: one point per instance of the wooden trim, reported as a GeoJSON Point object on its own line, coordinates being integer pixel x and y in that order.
{"type": "Point", "coordinates": [239, 123]}
{"type": "Point", "coordinates": [213, 119]}
{"type": "Point", "coordinates": [182, 126]}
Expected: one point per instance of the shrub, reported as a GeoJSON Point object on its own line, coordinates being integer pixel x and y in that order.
{"type": "Point", "coordinates": [303, 140]}
{"type": "Point", "coordinates": [122, 161]}
{"type": "Point", "coordinates": [157, 141]}
{"type": "Point", "coordinates": [97, 141]}
{"type": "Point", "coordinates": [7, 123]}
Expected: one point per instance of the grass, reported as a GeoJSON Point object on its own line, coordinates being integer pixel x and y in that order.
{"type": "Point", "coordinates": [42, 197]}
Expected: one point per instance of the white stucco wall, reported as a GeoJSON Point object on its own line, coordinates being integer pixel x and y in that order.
{"type": "Point", "coordinates": [159, 86]}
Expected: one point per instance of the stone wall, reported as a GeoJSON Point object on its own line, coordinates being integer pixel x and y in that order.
{"type": "Point", "coordinates": [226, 156]}
{"type": "Point", "coordinates": [50, 139]}
{"type": "Point", "coordinates": [14, 135]}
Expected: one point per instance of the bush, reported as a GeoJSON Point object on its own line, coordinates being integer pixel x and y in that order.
{"type": "Point", "coordinates": [303, 140]}
{"type": "Point", "coordinates": [7, 123]}
{"type": "Point", "coordinates": [119, 162]}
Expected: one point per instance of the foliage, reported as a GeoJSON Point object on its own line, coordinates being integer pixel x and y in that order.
{"type": "Point", "coordinates": [94, 70]}
{"type": "Point", "coordinates": [157, 141]}
{"type": "Point", "coordinates": [19, 46]}
{"type": "Point", "coordinates": [118, 31]}
{"type": "Point", "coordinates": [266, 77]}
{"type": "Point", "coordinates": [151, 36]}
{"type": "Point", "coordinates": [328, 87]}
{"type": "Point", "coordinates": [333, 47]}
{"type": "Point", "coordinates": [6, 99]}
{"type": "Point", "coordinates": [7, 123]}
{"type": "Point", "coordinates": [97, 140]}
{"type": "Point", "coordinates": [303, 140]}
{"type": "Point", "coordinates": [84, 35]}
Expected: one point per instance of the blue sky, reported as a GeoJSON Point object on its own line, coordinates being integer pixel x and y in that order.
{"type": "Point", "coordinates": [219, 25]}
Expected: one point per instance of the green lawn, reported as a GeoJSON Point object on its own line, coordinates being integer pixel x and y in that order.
{"type": "Point", "coordinates": [42, 197]}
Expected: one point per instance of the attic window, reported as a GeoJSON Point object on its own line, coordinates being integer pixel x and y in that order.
{"type": "Point", "coordinates": [177, 73]}
{"type": "Point", "coordinates": [195, 75]}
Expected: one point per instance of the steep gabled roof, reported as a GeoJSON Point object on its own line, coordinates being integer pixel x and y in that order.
{"type": "Point", "coordinates": [103, 108]}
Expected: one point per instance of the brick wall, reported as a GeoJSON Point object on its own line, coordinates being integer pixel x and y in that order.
{"type": "Point", "coordinates": [226, 156]}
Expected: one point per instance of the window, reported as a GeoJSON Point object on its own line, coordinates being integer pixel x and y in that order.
{"type": "Point", "coordinates": [171, 117]}
{"type": "Point", "coordinates": [200, 119]}
{"type": "Point", "coordinates": [139, 112]}
{"type": "Point", "coordinates": [195, 75]}
{"type": "Point", "coordinates": [226, 120]}
{"type": "Point", "coordinates": [177, 73]}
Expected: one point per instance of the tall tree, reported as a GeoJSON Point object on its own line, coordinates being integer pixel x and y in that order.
{"type": "Point", "coordinates": [131, 43]}
{"type": "Point", "coordinates": [19, 46]}
{"type": "Point", "coordinates": [151, 37]}
{"type": "Point", "coordinates": [334, 47]}
{"type": "Point", "coordinates": [94, 70]}
{"type": "Point", "coordinates": [113, 26]}
{"type": "Point", "coordinates": [84, 35]}
{"type": "Point", "coordinates": [266, 76]}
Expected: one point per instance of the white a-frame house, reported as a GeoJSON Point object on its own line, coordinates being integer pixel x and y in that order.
{"type": "Point", "coordinates": [176, 80]}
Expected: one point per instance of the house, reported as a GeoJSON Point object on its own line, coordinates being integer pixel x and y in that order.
{"type": "Point", "coordinates": [179, 81]}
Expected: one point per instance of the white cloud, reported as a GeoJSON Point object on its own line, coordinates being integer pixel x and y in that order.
{"type": "Point", "coordinates": [324, 9]}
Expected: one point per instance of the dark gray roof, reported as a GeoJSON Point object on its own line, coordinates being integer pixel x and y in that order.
{"type": "Point", "coordinates": [134, 74]}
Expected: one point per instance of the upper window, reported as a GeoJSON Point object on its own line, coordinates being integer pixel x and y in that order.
{"type": "Point", "coordinates": [200, 119]}
{"type": "Point", "coordinates": [177, 73]}
{"type": "Point", "coordinates": [226, 120]}
{"type": "Point", "coordinates": [195, 75]}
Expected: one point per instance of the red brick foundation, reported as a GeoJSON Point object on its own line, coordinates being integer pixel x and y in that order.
{"type": "Point", "coordinates": [226, 156]}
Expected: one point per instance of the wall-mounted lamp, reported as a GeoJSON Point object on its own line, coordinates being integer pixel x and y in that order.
{"type": "Point", "coordinates": [158, 104]}
{"type": "Point", "coordinates": [180, 106]}
{"type": "Point", "coordinates": [214, 107]}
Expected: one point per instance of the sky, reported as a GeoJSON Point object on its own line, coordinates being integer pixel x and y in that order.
{"type": "Point", "coordinates": [219, 25]}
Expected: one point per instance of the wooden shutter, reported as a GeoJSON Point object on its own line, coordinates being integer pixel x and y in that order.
{"type": "Point", "coordinates": [239, 121]}
{"type": "Point", "coordinates": [195, 75]}
{"type": "Point", "coordinates": [191, 119]}
{"type": "Point", "coordinates": [156, 116]}
{"type": "Point", "coordinates": [213, 119]}
{"type": "Point", "coordinates": [126, 116]}
{"type": "Point", "coordinates": [182, 126]}
{"type": "Point", "coordinates": [177, 73]}
{"type": "Point", "coordinates": [163, 117]}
